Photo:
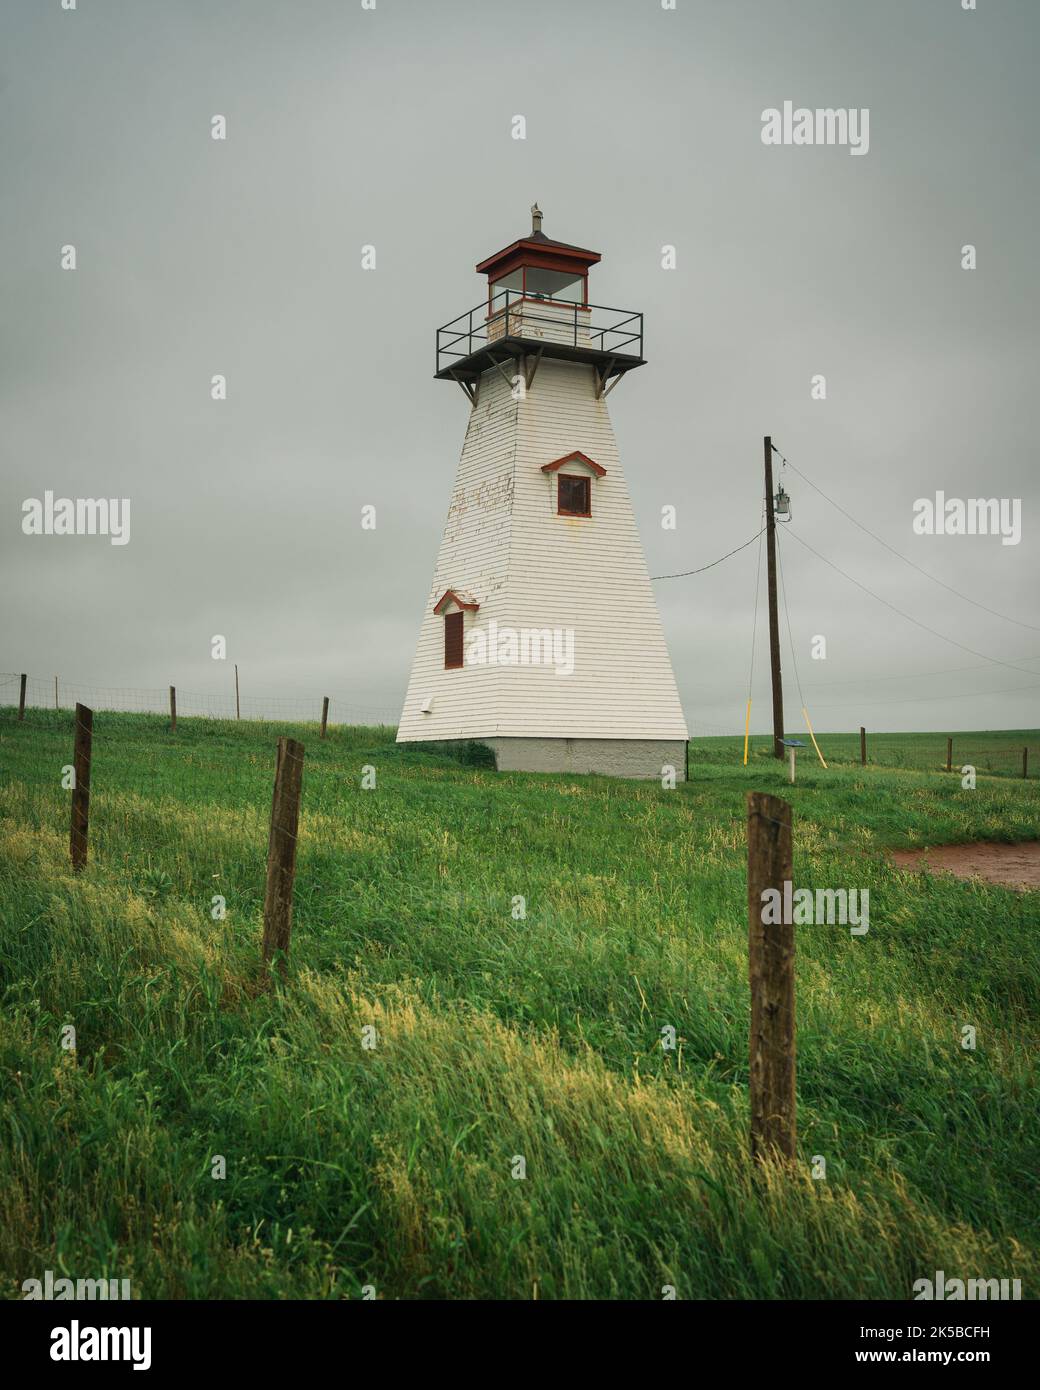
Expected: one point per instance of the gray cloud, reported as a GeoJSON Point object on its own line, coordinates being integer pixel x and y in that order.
{"type": "Point", "coordinates": [392, 127]}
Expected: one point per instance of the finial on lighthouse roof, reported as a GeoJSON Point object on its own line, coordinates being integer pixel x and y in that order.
{"type": "Point", "coordinates": [536, 218]}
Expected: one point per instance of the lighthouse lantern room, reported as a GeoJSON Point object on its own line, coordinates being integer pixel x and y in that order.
{"type": "Point", "coordinates": [540, 635]}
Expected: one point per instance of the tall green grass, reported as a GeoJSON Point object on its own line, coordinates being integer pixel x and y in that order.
{"type": "Point", "coordinates": [496, 1037]}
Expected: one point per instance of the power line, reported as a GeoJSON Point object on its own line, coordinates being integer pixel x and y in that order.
{"type": "Point", "coordinates": [932, 699]}
{"type": "Point", "coordinates": [900, 556]}
{"type": "Point", "coordinates": [909, 700]}
{"type": "Point", "coordinates": [910, 676]}
{"type": "Point", "coordinates": [713, 563]}
{"type": "Point", "coordinates": [917, 623]}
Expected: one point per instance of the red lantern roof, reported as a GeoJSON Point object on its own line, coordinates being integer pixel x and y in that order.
{"type": "Point", "coordinates": [536, 249]}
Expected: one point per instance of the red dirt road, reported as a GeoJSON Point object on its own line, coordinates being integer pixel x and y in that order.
{"type": "Point", "coordinates": [1012, 866]}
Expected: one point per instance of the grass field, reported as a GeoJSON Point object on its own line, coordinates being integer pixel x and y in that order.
{"type": "Point", "coordinates": [393, 1166]}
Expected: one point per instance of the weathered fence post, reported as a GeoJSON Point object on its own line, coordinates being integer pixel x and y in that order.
{"type": "Point", "coordinates": [81, 786]}
{"type": "Point", "coordinates": [324, 715]}
{"type": "Point", "coordinates": [21, 698]}
{"type": "Point", "coordinates": [862, 745]}
{"type": "Point", "coordinates": [281, 850]}
{"type": "Point", "coordinates": [238, 705]}
{"type": "Point", "coordinates": [949, 755]}
{"type": "Point", "coordinates": [1025, 761]}
{"type": "Point", "coordinates": [771, 974]}
{"type": "Point", "coordinates": [173, 709]}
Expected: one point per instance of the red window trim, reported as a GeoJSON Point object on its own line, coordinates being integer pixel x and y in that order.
{"type": "Point", "coordinates": [457, 599]}
{"type": "Point", "coordinates": [581, 478]}
{"type": "Point", "coordinates": [597, 468]}
{"type": "Point", "coordinates": [460, 629]}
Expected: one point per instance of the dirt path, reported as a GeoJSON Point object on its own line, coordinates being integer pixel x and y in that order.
{"type": "Point", "coordinates": [1012, 866]}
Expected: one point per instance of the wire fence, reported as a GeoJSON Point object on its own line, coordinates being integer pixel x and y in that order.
{"type": "Point", "coordinates": [186, 813]}
{"type": "Point", "coordinates": [52, 692]}
{"type": "Point", "coordinates": [1001, 753]}
{"type": "Point", "coordinates": [996, 753]}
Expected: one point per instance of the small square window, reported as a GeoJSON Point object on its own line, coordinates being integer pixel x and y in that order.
{"type": "Point", "coordinates": [574, 497]}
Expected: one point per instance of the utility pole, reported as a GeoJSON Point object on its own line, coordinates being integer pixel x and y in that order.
{"type": "Point", "coordinates": [774, 621]}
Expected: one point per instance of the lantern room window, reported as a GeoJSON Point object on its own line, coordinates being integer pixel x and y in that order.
{"type": "Point", "coordinates": [513, 283]}
{"type": "Point", "coordinates": [532, 282]}
{"type": "Point", "coordinates": [574, 495]}
{"type": "Point", "coordinates": [554, 284]}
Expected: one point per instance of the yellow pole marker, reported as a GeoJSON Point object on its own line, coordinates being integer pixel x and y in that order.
{"type": "Point", "coordinates": [813, 736]}
{"type": "Point", "coordinates": [747, 725]}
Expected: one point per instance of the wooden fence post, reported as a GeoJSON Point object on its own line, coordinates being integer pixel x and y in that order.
{"type": "Point", "coordinates": [863, 745]}
{"type": "Point", "coordinates": [81, 786]}
{"type": "Point", "coordinates": [55, 692]}
{"type": "Point", "coordinates": [21, 698]}
{"type": "Point", "coordinates": [238, 706]}
{"type": "Point", "coordinates": [281, 850]}
{"type": "Point", "coordinates": [173, 709]}
{"type": "Point", "coordinates": [949, 755]}
{"type": "Point", "coordinates": [771, 974]}
{"type": "Point", "coordinates": [324, 715]}
{"type": "Point", "coordinates": [1025, 761]}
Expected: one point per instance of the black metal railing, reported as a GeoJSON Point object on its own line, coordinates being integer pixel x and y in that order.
{"type": "Point", "coordinates": [542, 321]}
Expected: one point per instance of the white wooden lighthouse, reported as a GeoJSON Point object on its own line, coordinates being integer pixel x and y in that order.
{"type": "Point", "coordinates": [540, 636]}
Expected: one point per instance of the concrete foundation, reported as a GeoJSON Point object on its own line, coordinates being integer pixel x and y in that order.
{"type": "Point", "coordinates": [613, 757]}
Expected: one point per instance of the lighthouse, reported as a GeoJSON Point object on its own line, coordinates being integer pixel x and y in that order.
{"type": "Point", "coordinates": [540, 636]}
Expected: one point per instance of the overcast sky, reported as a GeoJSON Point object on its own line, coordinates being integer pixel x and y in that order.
{"type": "Point", "coordinates": [392, 127]}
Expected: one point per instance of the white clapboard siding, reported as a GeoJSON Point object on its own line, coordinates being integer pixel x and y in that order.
{"type": "Point", "coordinates": [505, 546]}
